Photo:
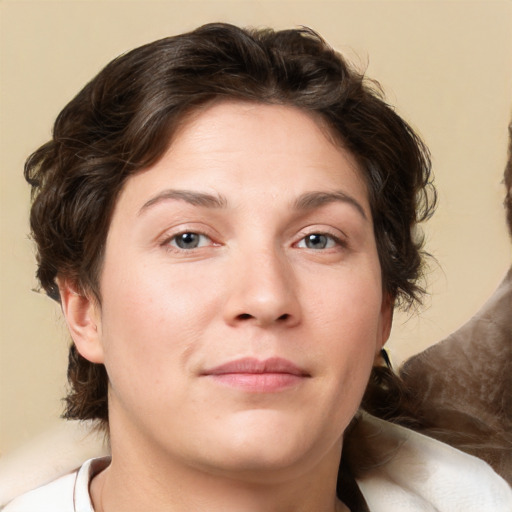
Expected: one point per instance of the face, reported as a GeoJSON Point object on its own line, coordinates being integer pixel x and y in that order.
{"type": "Point", "coordinates": [242, 302]}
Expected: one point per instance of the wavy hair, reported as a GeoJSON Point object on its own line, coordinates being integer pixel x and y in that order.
{"type": "Point", "coordinates": [123, 120]}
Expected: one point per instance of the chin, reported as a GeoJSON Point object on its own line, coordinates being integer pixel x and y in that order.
{"type": "Point", "coordinates": [270, 443]}
{"type": "Point", "coordinates": [260, 465]}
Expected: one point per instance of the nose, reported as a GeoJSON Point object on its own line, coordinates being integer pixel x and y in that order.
{"type": "Point", "coordinates": [263, 291]}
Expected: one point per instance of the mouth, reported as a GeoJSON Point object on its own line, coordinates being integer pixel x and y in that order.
{"type": "Point", "coordinates": [258, 376]}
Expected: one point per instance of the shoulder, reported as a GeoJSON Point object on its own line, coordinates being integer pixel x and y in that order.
{"type": "Point", "coordinates": [414, 473]}
{"type": "Point", "coordinates": [69, 493]}
{"type": "Point", "coordinates": [56, 496]}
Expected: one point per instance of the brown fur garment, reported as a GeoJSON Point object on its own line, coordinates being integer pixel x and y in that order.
{"type": "Point", "coordinates": [463, 384]}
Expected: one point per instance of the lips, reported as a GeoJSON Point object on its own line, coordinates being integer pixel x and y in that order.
{"type": "Point", "coordinates": [251, 374]}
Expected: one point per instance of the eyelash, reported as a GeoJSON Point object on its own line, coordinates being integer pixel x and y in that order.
{"type": "Point", "coordinates": [337, 241]}
{"type": "Point", "coordinates": [171, 244]}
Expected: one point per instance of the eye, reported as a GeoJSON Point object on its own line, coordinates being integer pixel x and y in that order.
{"type": "Point", "coordinates": [318, 241]}
{"type": "Point", "coordinates": [189, 240]}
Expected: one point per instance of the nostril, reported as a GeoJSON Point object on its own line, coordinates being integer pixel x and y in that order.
{"type": "Point", "coordinates": [247, 316]}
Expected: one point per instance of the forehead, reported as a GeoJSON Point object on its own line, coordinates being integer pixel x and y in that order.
{"type": "Point", "coordinates": [251, 148]}
{"type": "Point", "coordinates": [307, 128]}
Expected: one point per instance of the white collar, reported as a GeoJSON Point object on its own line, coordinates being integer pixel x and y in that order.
{"type": "Point", "coordinates": [418, 473]}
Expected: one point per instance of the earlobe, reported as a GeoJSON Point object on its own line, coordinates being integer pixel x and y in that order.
{"type": "Point", "coordinates": [83, 321]}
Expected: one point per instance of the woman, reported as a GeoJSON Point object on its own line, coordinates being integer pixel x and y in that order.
{"type": "Point", "coordinates": [227, 219]}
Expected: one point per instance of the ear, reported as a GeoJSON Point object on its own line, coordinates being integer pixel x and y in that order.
{"type": "Point", "coordinates": [83, 318]}
{"type": "Point", "coordinates": [386, 319]}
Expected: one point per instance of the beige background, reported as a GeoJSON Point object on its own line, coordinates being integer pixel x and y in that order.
{"type": "Point", "coordinates": [446, 65]}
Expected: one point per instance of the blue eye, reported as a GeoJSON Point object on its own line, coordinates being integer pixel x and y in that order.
{"type": "Point", "coordinates": [318, 241]}
{"type": "Point", "coordinates": [189, 240]}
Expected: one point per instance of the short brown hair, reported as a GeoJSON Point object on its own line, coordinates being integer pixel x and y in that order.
{"type": "Point", "coordinates": [124, 119]}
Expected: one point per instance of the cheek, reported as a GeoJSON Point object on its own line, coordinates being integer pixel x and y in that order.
{"type": "Point", "coordinates": [150, 298]}
{"type": "Point", "coordinates": [349, 304]}
{"type": "Point", "coordinates": [350, 358]}
{"type": "Point", "coordinates": [348, 318]}
{"type": "Point", "coordinates": [155, 317]}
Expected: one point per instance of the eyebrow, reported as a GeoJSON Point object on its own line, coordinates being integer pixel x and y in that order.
{"type": "Point", "coordinates": [312, 200]}
{"type": "Point", "coordinates": [307, 201]}
{"type": "Point", "coordinates": [188, 196]}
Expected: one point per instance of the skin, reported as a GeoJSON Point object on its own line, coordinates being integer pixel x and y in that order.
{"type": "Point", "coordinates": [283, 265]}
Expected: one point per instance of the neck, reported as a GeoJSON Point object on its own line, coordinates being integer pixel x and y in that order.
{"type": "Point", "coordinates": [111, 491]}
{"type": "Point", "coordinates": [136, 481]}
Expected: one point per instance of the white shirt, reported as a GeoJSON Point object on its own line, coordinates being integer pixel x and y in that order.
{"type": "Point", "coordinates": [69, 493]}
{"type": "Point", "coordinates": [421, 475]}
